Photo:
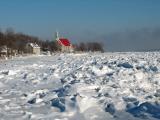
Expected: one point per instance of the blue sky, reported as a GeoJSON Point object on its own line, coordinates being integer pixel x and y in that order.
{"type": "Point", "coordinates": [82, 20]}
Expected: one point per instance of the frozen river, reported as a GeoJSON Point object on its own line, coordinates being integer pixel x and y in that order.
{"type": "Point", "coordinates": [89, 86]}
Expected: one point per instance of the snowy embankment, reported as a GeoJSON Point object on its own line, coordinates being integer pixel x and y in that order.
{"type": "Point", "coordinates": [109, 86]}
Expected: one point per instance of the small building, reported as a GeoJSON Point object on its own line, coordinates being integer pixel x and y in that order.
{"type": "Point", "coordinates": [33, 48]}
{"type": "Point", "coordinates": [12, 52]}
{"type": "Point", "coordinates": [3, 51]}
{"type": "Point", "coordinates": [64, 44]}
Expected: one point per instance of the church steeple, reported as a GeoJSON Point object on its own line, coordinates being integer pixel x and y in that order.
{"type": "Point", "coordinates": [57, 36]}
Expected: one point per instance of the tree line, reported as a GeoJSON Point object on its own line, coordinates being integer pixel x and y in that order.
{"type": "Point", "coordinates": [89, 46]}
{"type": "Point", "coordinates": [18, 41]}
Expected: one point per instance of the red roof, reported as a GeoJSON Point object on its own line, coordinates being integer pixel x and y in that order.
{"type": "Point", "coordinates": [65, 41]}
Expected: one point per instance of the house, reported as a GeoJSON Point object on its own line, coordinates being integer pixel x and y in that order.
{"type": "Point", "coordinates": [7, 52]}
{"type": "Point", "coordinates": [33, 48]}
{"type": "Point", "coordinates": [3, 51]}
{"type": "Point", "coordinates": [64, 44]}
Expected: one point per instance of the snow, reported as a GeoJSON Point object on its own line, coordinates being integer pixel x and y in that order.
{"type": "Point", "coordinates": [88, 86]}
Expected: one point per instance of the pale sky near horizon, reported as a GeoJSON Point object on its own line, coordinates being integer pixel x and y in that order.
{"type": "Point", "coordinates": [121, 25]}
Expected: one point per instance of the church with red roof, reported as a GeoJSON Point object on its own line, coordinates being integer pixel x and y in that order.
{"type": "Point", "coordinates": [64, 44]}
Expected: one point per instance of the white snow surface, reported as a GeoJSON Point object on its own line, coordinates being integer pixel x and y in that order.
{"type": "Point", "coordinates": [90, 86]}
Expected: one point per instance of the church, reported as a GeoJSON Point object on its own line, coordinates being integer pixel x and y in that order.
{"type": "Point", "coordinates": [64, 44]}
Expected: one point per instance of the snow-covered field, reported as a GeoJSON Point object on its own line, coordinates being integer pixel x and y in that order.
{"type": "Point", "coordinates": [90, 86]}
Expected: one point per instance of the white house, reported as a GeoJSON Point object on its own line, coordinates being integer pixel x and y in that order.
{"type": "Point", "coordinates": [33, 48]}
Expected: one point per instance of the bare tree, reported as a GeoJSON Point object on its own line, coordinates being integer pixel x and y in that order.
{"type": "Point", "coordinates": [90, 46]}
